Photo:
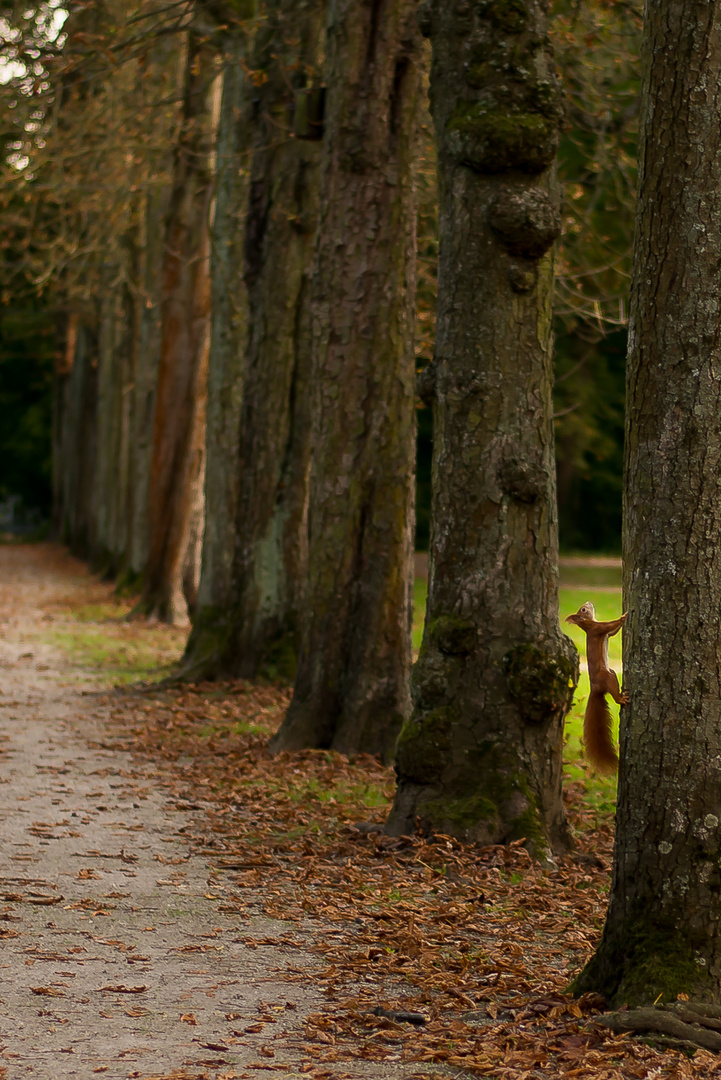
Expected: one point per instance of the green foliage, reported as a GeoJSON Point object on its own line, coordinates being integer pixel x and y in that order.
{"type": "Point", "coordinates": [597, 45]}
{"type": "Point", "coordinates": [589, 402]}
{"type": "Point", "coordinates": [92, 160]}
{"type": "Point", "coordinates": [420, 592]}
{"type": "Point", "coordinates": [26, 382]}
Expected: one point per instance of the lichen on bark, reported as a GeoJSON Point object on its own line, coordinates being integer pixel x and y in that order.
{"type": "Point", "coordinates": [480, 756]}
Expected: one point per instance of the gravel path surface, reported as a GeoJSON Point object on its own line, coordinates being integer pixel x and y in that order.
{"type": "Point", "coordinates": [115, 958]}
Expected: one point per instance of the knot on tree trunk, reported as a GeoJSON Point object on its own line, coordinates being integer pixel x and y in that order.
{"type": "Point", "coordinates": [523, 481]}
{"type": "Point", "coordinates": [527, 221]}
{"type": "Point", "coordinates": [540, 682]}
{"type": "Point", "coordinates": [496, 140]}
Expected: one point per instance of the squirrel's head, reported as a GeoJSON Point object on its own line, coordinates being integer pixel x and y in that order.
{"type": "Point", "coordinates": [585, 613]}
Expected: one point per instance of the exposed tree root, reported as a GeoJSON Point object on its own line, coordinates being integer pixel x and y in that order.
{"type": "Point", "coordinates": [683, 1025]}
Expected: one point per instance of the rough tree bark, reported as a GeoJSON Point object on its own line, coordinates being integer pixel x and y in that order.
{"type": "Point", "coordinates": [352, 688]}
{"type": "Point", "coordinates": [145, 352]}
{"type": "Point", "coordinates": [480, 757]}
{"type": "Point", "coordinates": [662, 932]}
{"type": "Point", "coordinates": [112, 462]}
{"type": "Point", "coordinates": [249, 623]}
{"type": "Point", "coordinates": [177, 462]}
{"type": "Point", "coordinates": [226, 358]}
{"type": "Point", "coordinates": [75, 435]}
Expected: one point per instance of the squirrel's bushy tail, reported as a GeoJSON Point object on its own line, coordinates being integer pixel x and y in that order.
{"type": "Point", "coordinates": [600, 750]}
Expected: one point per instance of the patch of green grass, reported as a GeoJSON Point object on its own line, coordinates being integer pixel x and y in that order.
{"type": "Point", "coordinates": [588, 575]}
{"type": "Point", "coordinates": [420, 592]}
{"type": "Point", "coordinates": [224, 731]}
{"type": "Point", "coordinates": [340, 793]}
{"type": "Point", "coordinates": [118, 653]}
{"type": "Point", "coordinates": [607, 603]}
{"type": "Point", "coordinates": [112, 610]}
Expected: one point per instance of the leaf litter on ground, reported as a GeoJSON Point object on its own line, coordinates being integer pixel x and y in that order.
{"type": "Point", "coordinates": [477, 943]}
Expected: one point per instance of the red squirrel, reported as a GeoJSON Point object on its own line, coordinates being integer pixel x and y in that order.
{"type": "Point", "coordinates": [597, 721]}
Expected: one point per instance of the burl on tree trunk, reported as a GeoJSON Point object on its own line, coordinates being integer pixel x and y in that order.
{"type": "Point", "coordinates": [662, 934]}
{"type": "Point", "coordinates": [481, 756]}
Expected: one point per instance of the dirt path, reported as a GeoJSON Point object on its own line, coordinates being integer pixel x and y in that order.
{"type": "Point", "coordinates": [116, 959]}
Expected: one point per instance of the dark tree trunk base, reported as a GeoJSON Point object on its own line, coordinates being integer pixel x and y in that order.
{"type": "Point", "coordinates": [173, 610]}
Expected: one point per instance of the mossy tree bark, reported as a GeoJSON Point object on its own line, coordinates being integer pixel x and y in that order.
{"type": "Point", "coordinates": [351, 691]}
{"type": "Point", "coordinates": [177, 462]}
{"type": "Point", "coordinates": [480, 757]}
{"type": "Point", "coordinates": [251, 623]}
{"type": "Point", "coordinates": [662, 933]}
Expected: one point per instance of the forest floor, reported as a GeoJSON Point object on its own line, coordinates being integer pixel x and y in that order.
{"type": "Point", "coordinates": [176, 904]}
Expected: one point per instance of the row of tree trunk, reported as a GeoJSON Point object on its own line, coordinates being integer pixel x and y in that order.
{"type": "Point", "coordinates": [242, 384]}
{"type": "Point", "coordinates": [249, 393]}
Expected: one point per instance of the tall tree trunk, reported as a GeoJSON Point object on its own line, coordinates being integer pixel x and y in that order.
{"type": "Point", "coordinates": [352, 688]}
{"type": "Point", "coordinates": [179, 421]}
{"type": "Point", "coordinates": [146, 350]}
{"type": "Point", "coordinates": [226, 362]}
{"type": "Point", "coordinates": [662, 932]}
{"type": "Point", "coordinates": [480, 757]}
{"type": "Point", "coordinates": [66, 337]}
{"type": "Point", "coordinates": [252, 624]}
{"type": "Point", "coordinates": [75, 437]}
{"type": "Point", "coordinates": [112, 468]}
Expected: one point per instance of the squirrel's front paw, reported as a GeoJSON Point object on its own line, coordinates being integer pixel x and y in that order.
{"type": "Point", "coordinates": [625, 698]}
